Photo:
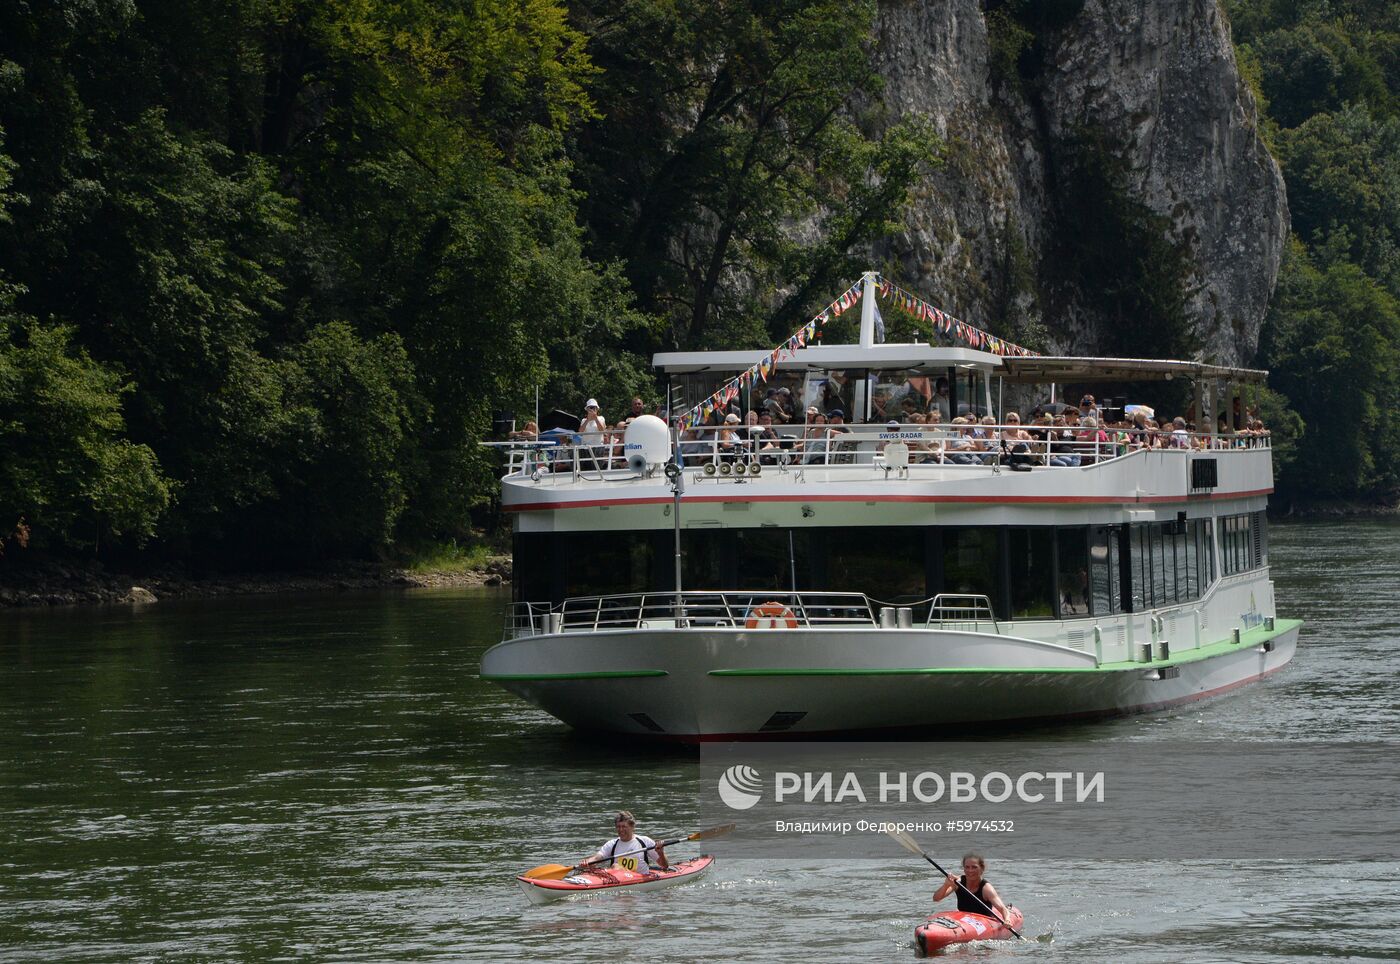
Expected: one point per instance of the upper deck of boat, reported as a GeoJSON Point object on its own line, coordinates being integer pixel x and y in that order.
{"type": "Point", "coordinates": [882, 460]}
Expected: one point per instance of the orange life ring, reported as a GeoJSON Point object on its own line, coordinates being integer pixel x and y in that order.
{"type": "Point", "coordinates": [770, 615]}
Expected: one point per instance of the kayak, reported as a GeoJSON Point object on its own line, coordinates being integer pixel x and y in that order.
{"type": "Point", "coordinates": [959, 927]}
{"type": "Point", "coordinates": [594, 881]}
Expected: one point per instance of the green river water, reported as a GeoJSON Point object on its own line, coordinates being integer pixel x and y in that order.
{"type": "Point", "coordinates": [324, 778]}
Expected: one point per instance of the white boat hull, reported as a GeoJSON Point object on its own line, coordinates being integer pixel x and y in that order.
{"type": "Point", "coordinates": [698, 684]}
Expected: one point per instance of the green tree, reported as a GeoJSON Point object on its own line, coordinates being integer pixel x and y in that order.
{"type": "Point", "coordinates": [725, 127]}
{"type": "Point", "coordinates": [1331, 343]}
{"type": "Point", "coordinates": [1343, 174]}
{"type": "Point", "coordinates": [68, 471]}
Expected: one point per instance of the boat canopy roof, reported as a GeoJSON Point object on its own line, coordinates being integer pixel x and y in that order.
{"type": "Point", "coordinates": [833, 357]}
{"type": "Point", "coordinates": [1040, 369]}
{"type": "Point", "coordinates": [1035, 369]}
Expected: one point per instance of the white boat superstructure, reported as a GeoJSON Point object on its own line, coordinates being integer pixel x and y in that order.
{"type": "Point", "coordinates": [865, 577]}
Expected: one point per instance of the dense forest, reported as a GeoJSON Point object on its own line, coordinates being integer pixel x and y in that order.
{"type": "Point", "coordinates": [1326, 74]}
{"type": "Point", "coordinates": [267, 267]}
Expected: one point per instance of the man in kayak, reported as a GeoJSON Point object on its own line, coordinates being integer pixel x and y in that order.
{"type": "Point", "coordinates": [974, 866]}
{"type": "Point", "coordinates": [629, 849]}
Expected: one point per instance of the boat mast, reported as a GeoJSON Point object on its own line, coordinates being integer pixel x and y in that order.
{"type": "Point", "coordinates": [867, 311]}
{"type": "Point", "coordinates": [675, 472]}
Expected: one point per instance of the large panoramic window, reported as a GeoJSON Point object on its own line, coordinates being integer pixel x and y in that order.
{"type": "Point", "coordinates": [1041, 572]}
{"type": "Point", "coordinates": [1244, 542]}
{"type": "Point", "coordinates": [1074, 586]}
{"type": "Point", "coordinates": [970, 561]}
{"type": "Point", "coordinates": [886, 563]}
{"type": "Point", "coordinates": [1031, 568]}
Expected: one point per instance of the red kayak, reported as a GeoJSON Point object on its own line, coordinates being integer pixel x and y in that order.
{"type": "Point", "coordinates": [541, 891]}
{"type": "Point", "coordinates": [960, 926]}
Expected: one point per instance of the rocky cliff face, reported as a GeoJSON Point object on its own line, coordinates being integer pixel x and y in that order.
{"type": "Point", "coordinates": [1158, 79]}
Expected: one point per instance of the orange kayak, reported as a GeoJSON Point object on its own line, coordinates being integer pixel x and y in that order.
{"type": "Point", "coordinates": [592, 881]}
{"type": "Point", "coordinates": [959, 927]}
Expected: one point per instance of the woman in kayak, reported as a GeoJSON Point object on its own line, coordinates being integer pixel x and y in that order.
{"type": "Point", "coordinates": [629, 849]}
{"type": "Point", "coordinates": [973, 868]}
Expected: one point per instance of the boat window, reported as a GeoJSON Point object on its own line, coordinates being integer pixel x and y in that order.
{"type": "Point", "coordinates": [1141, 571]}
{"type": "Point", "coordinates": [773, 558]}
{"type": "Point", "coordinates": [1193, 558]}
{"type": "Point", "coordinates": [828, 391]}
{"type": "Point", "coordinates": [899, 393]}
{"type": "Point", "coordinates": [1031, 571]}
{"type": "Point", "coordinates": [601, 564]}
{"type": "Point", "coordinates": [1243, 542]}
{"type": "Point", "coordinates": [1207, 553]}
{"type": "Point", "coordinates": [1115, 570]}
{"type": "Point", "coordinates": [703, 561]}
{"type": "Point", "coordinates": [532, 572]}
{"type": "Point", "coordinates": [970, 561]}
{"type": "Point", "coordinates": [1074, 582]}
{"type": "Point", "coordinates": [1261, 538]}
{"type": "Point", "coordinates": [1167, 557]}
{"type": "Point", "coordinates": [885, 563]}
{"type": "Point", "coordinates": [1102, 571]}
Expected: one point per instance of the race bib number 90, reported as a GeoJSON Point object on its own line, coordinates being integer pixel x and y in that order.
{"type": "Point", "coordinates": [627, 863]}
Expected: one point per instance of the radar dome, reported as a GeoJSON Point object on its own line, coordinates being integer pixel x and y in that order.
{"type": "Point", "coordinates": [647, 442]}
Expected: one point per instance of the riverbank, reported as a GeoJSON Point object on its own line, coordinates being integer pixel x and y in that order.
{"type": "Point", "coordinates": [55, 583]}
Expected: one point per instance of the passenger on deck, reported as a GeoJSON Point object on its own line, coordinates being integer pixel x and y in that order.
{"type": "Point", "coordinates": [960, 447]}
{"type": "Point", "coordinates": [940, 399]}
{"type": "Point", "coordinates": [878, 401]}
{"type": "Point", "coordinates": [1015, 441]}
{"type": "Point", "coordinates": [768, 442]}
{"type": "Point", "coordinates": [814, 442]}
{"type": "Point", "coordinates": [529, 433]}
{"type": "Point", "coordinates": [1092, 442]}
{"type": "Point", "coordinates": [638, 408]}
{"type": "Point", "coordinates": [779, 405]}
{"type": "Point", "coordinates": [1061, 443]}
{"type": "Point", "coordinates": [731, 445]}
{"type": "Point", "coordinates": [594, 430]}
{"type": "Point", "coordinates": [695, 448]}
{"type": "Point", "coordinates": [1180, 438]}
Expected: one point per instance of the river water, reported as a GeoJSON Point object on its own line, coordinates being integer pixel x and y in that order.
{"type": "Point", "coordinates": [323, 778]}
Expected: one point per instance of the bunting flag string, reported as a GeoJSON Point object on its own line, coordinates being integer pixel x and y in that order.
{"type": "Point", "coordinates": [941, 322]}
{"type": "Point", "coordinates": [946, 324]}
{"type": "Point", "coordinates": [762, 368]}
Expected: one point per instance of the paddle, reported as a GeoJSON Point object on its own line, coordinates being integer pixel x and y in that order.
{"type": "Point", "coordinates": [560, 871]}
{"type": "Point", "coordinates": [909, 844]}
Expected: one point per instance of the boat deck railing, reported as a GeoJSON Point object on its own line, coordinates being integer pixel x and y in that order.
{"type": "Point", "coordinates": [746, 609]}
{"type": "Point", "coordinates": [896, 450]}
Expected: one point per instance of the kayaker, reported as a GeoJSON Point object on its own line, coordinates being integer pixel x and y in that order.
{"type": "Point", "coordinates": [630, 850]}
{"type": "Point", "coordinates": [974, 866]}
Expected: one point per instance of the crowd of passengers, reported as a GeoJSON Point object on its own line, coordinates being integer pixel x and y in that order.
{"type": "Point", "coordinates": [1072, 437]}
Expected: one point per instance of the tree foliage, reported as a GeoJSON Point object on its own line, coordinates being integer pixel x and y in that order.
{"type": "Point", "coordinates": [1328, 72]}
{"type": "Point", "coordinates": [724, 126]}
{"type": "Point", "coordinates": [270, 266]}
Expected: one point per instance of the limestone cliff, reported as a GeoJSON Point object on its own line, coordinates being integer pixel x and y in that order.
{"type": "Point", "coordinates": [1158, 79]}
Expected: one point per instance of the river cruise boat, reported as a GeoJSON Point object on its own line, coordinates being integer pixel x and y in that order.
{"type": "Point", "coordinates": [861, 577]}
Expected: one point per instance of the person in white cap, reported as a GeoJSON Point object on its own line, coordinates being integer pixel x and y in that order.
{"type": "Point", "coordinates": [594, 430]}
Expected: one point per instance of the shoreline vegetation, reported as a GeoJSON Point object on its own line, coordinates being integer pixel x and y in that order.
{"type": "Point", "coordinates": [88, 582]}
{"type": "Point", "coordinates": [54, 582]}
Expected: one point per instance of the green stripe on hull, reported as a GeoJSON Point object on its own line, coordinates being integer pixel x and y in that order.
{"type": "Point", "coordinates": [1247, 639]}
{"type": "Point", "coordinates": [546, 677]}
